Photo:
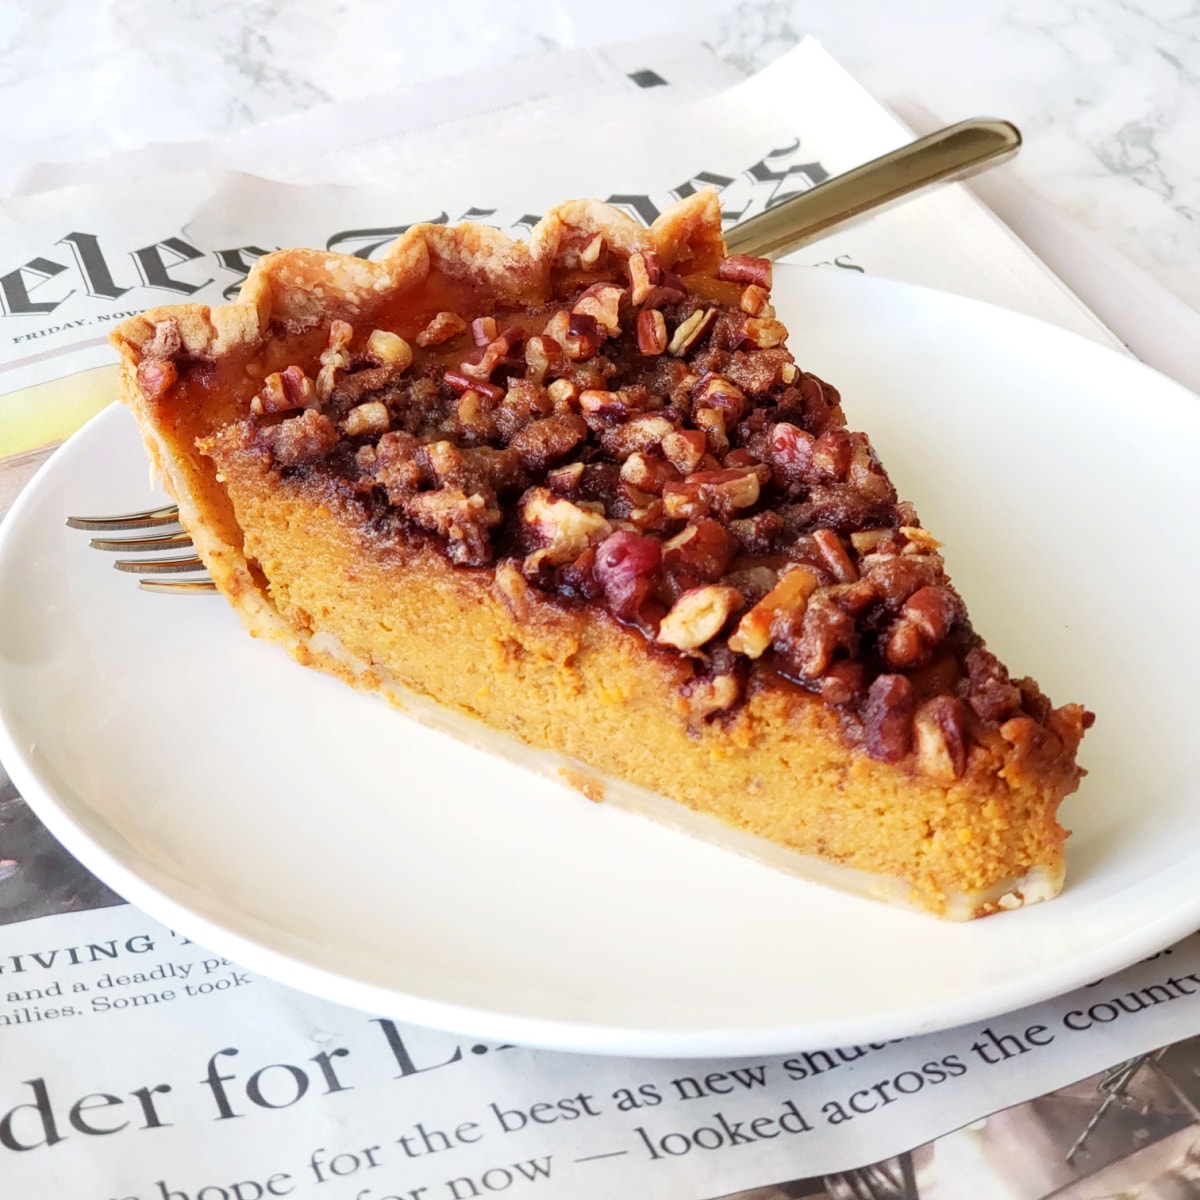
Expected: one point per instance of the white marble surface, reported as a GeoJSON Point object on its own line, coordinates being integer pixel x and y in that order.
{"type": "Point", "coordinates": [1107, 92]}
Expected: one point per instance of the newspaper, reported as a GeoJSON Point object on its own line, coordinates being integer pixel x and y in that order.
{"type": "Point", "coordinates": [136, 1065]}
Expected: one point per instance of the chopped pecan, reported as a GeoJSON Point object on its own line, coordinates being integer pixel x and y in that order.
{"type": "Point", "coordinates": [755, 301]}
{"type": "Point", "coordinates": [484, 330]}
{"type": "Point", "coordinates": [156, 377]}
{"type": "Point", "coordinates": [833, 554]}
{"type": "Point", "coordinates": [764, 332]}
{"type": "Point", "coordinates": [790, 454]}
{"type": "Point", "coordinates": [713, 392]}
{"type": "Point", "coordinates": [284, 391]}
{"type": "Point", "coordinates": [563, 394]}
{"type": "Point", "coordinates": [542, 443]}
{"type": "Point", "coordinates": [843, 682]}
{"type": "Point", "coordinates": [300, 440]}
{"type": "Point", "coordinates": [636, 436]}
{"type": "Point", "coordinates": [560, 530]}
{"type": "Point", "coordinates": [888, 718]}
{"type": "Point", "coordinates": [389, 350]}
{"type": "Point", "coordinates": [370, 418]}
{"type": "Point", "coordinates": [831, 455]}
{"type": "Point", "coordinates": [808, 646]}
{"type": "Point", "coordinates": [543, 356]}
{"type": "Point", "coordinates": [898, 576]}
{"type": "Point", "coordinates": [463, 520]}
{"type": "Point", "coordinates": [990, 691]}
{"type": "Point", "coordinates": [698, 616]}
{"type": "Point", "coordinates": [459, 384]}
{"type": "Point", "coordinates": [865, 541]}
{"type": "Point", "coordinates": [626, 567]}
{"type": "Point", "coordinates": [589, 256]}
{"type": "Point", "coordinates": [684, 448]}
{"type": "Point", "coordinates": [689, 332]}
{"type": "Point", "coordinates": [565, 480]}
{"type": "Point", "coordinates": [648, 472]}
{"type": "Point", "coordinates": [582, 338]}
{"type": "Point", "coordinates": [788, 597]}
{"type": "Point", "coordinates": [722, 491]}
{"type": "Point", "coordinates": [441, 328]}
{"type": "Point", "coordinates": [495, 354]}
{"type": "Point", "coordinates": [925, 619]}
{"type": "Point", "coordinates": [651, 332]}
{"type": "Point", "coordinates": [940, 729]}
{"type": "Point", "coordinates": [711, 422]}
{"type": "Point", "coordinates": [644, 275]}
{"type": "Point", "coordinates": [1036, 747]}
{"type": "Point", "coordinates": [744, 268]}
{"type": "Point", "coordinates": [699, 553]}
{"type": "Point", "coordinates": [602, 302]}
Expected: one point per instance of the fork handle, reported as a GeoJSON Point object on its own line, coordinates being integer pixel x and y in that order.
{"type": "Point", "coordinates": [955, 152]}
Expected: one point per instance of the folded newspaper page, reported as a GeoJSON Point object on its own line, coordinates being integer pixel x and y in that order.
{"type": "Point", "coordinates": [135, 1065]}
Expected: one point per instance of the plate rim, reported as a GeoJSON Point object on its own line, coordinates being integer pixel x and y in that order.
{"type": "Point", "coordinates": [561, 1034]}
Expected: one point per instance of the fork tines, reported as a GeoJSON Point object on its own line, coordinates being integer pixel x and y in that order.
{"type": "Point", "coordinates": [171, 539]}
{"type": "Point", "coordinates": [168, 514]}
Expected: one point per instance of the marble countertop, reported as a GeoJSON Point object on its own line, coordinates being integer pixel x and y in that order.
{"type": "Point", "coordinates": [1107, 92]}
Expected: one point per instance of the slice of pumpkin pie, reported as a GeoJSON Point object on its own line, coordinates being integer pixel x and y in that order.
{"type": "Point", "coordinates": [579, 489]}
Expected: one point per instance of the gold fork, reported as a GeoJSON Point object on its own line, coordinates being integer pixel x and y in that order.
{"type": "Point", "coordinates": [951, 153]}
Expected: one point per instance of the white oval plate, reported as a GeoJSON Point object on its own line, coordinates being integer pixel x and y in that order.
{"type": "Point", "coordinates": [312, 833]}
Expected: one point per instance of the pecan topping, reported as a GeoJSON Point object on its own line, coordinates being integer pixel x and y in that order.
{"type": "Point", "coordinates": [659, 454]}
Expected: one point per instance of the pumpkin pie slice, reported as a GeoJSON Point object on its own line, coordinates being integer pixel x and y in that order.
{"type": "Point", "coordinates": [579, 490]}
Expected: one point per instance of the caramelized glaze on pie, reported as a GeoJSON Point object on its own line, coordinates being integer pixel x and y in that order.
{"type": "Point", "coordinates": [581, 491]}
